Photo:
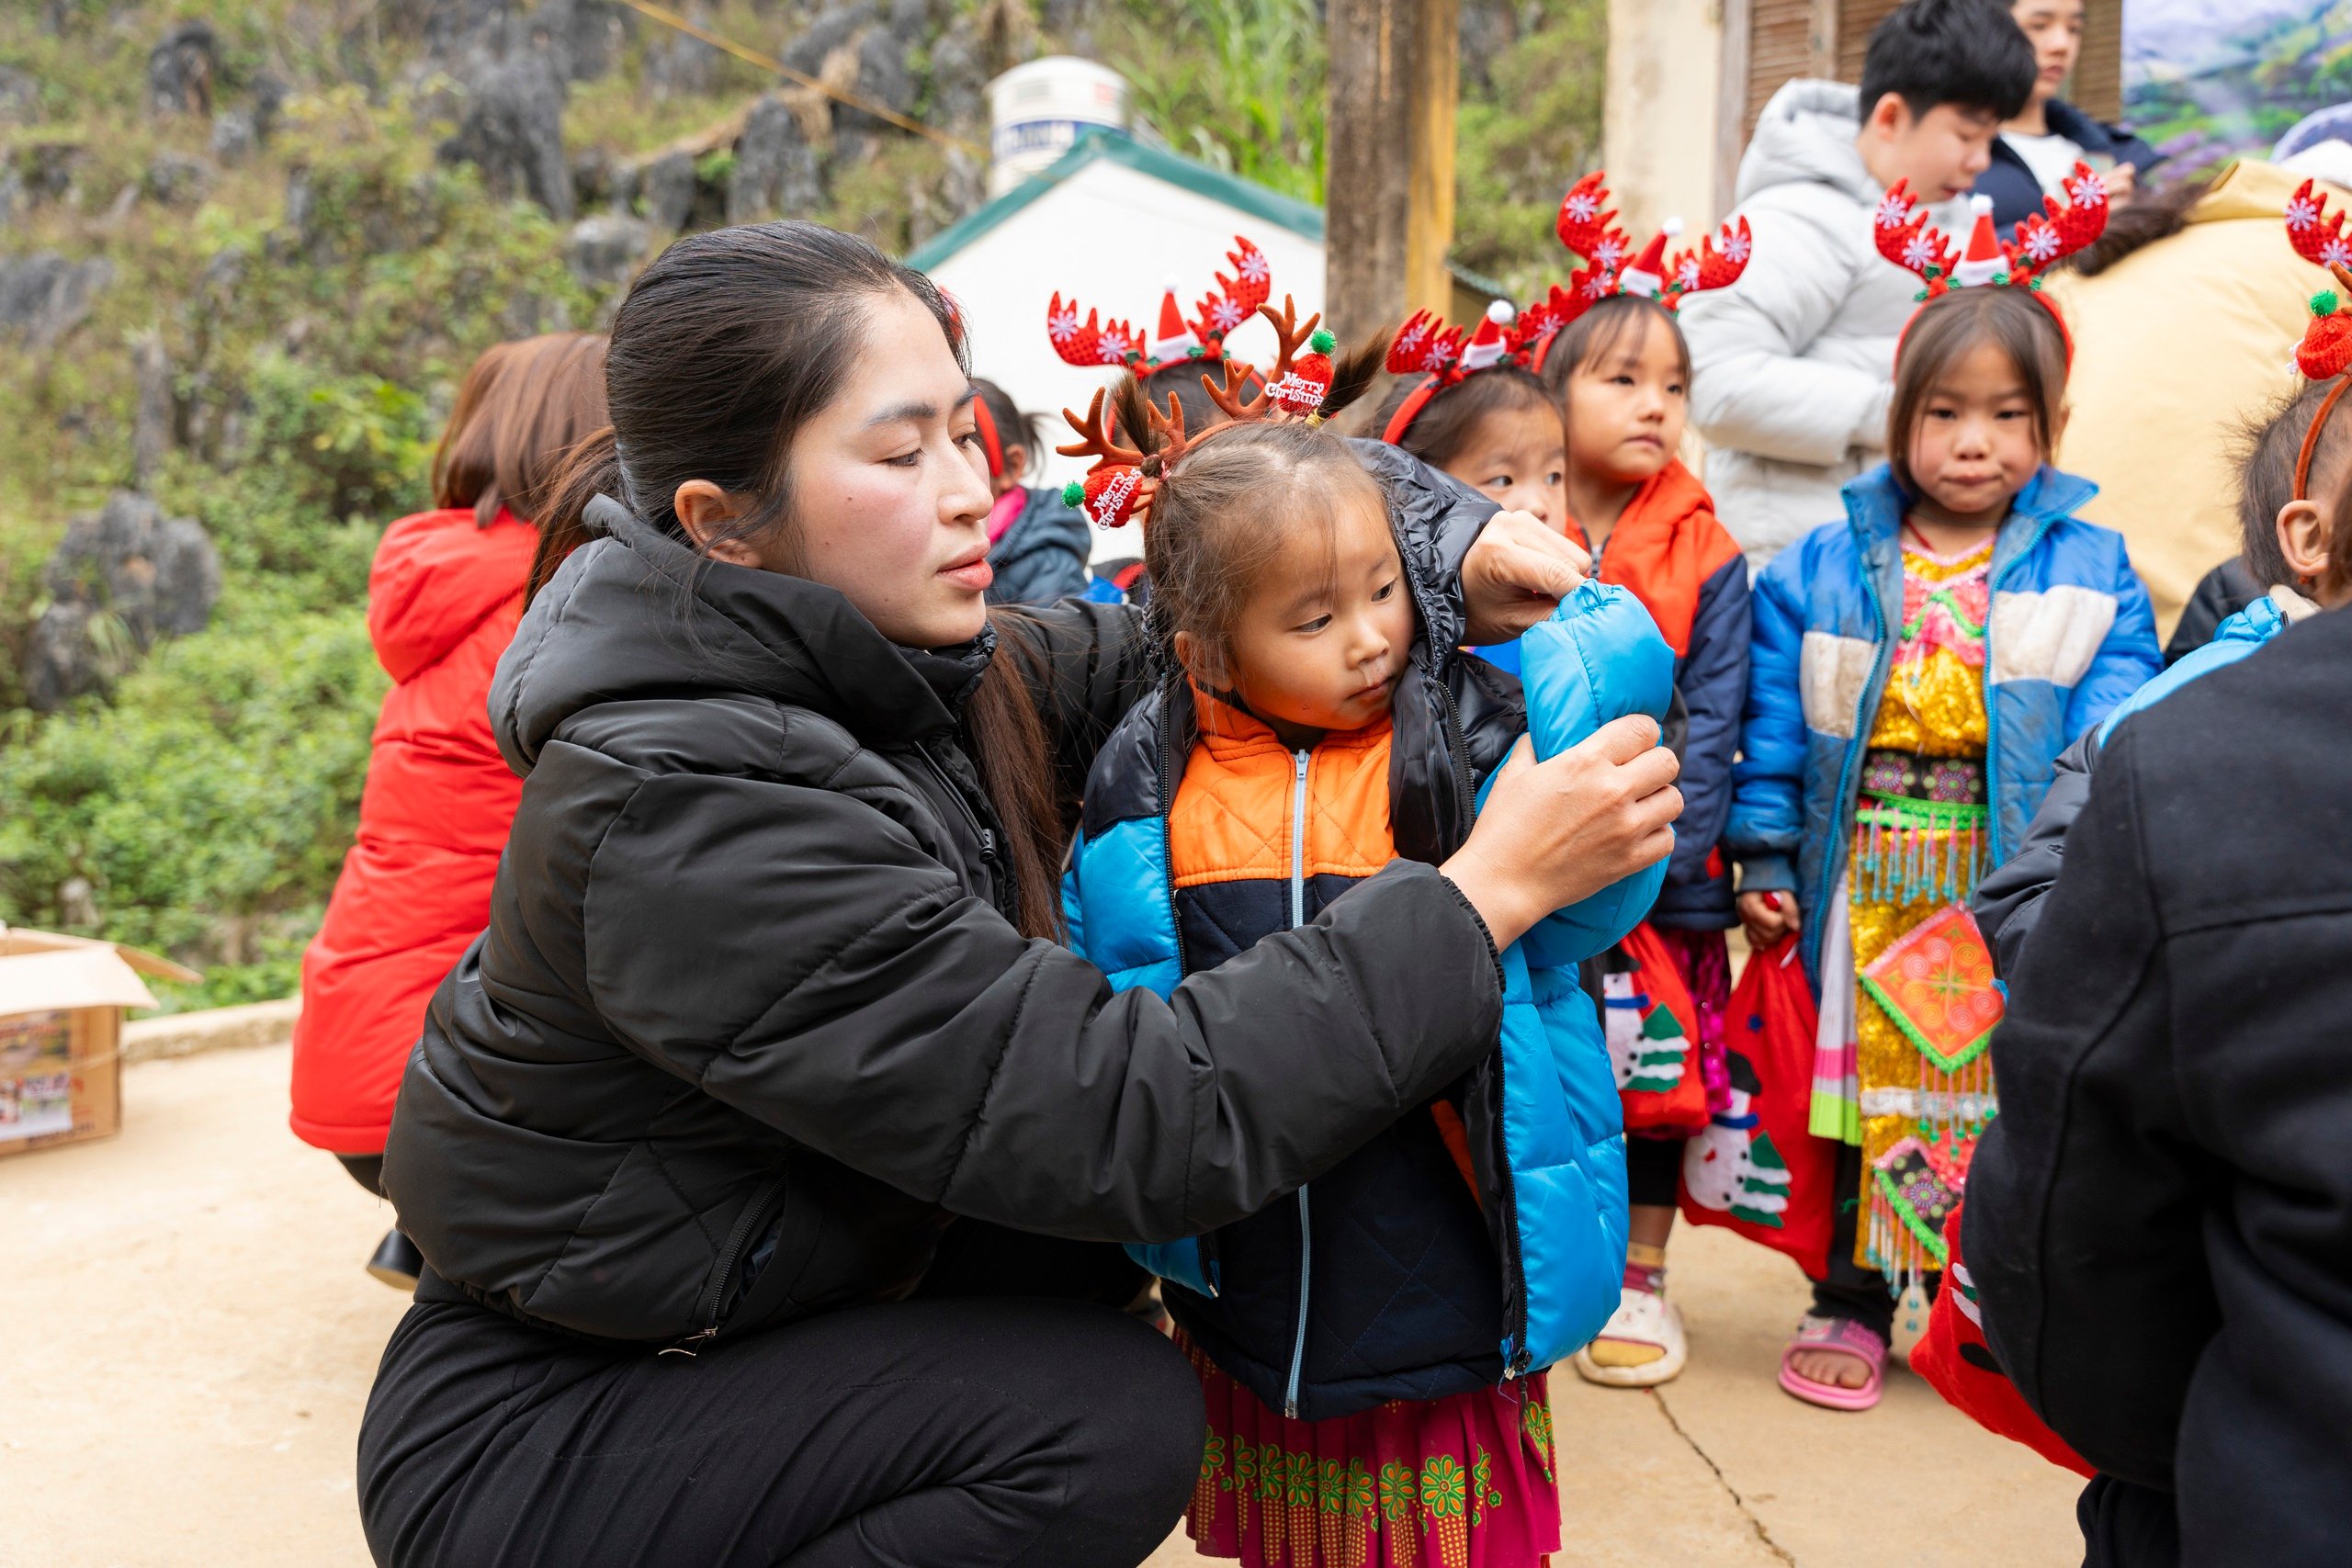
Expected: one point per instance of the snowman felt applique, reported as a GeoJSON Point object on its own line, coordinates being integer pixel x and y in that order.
{"type": "Point", "coordinates": [1733, 1165]}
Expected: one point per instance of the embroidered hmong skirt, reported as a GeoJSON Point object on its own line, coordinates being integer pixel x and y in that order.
{"type": "Point", "coordinates": [1923, 1008]}
{"type": "Point", "coordinates": [1463, 1482]}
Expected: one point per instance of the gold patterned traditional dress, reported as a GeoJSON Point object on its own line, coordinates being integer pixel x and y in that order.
{"type": "Point", "coordinates": [1925, 1003]}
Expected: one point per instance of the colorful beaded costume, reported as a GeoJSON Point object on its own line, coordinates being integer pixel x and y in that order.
{"type": "Point", "coordinates": [1925, 1003]}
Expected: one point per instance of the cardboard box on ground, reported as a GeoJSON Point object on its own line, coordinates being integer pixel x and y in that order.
{"type": "Point", "coordinates": [61, 1001]}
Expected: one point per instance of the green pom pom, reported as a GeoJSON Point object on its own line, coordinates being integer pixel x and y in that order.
{"type": "Point", "coordinates": [1322, 342]}
{"type": "Point", "coordinates": [2324, 302]}
{"type": "Point", "coordinates": [1073, 494]}
{"type": "Point", "coordinates": [1196, 352]}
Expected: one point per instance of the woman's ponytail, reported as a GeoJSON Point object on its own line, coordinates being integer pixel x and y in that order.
{"type": "Point", "coordinates": [590, 469]}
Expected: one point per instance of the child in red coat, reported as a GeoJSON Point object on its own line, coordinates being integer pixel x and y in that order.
{"type": "Point", "coordinates": [442, 599]}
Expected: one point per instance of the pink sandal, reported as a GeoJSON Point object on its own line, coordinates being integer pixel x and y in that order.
{"type": "Point", "coordinates": [1847, 1337]}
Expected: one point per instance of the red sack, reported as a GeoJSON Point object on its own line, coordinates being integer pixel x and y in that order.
{"type": "Point", "coordinates": [1653, 1029]}
{"type": "Point", "coordinates": [1755, 1167]}
{"type": "Point", "coordinates": [1953, 1357]}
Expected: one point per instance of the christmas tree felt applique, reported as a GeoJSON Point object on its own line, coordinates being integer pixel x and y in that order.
{"type": "Point", "coordinates": [1935, 983]}
{"type": "Point", "coordinates": [1647, 1046]}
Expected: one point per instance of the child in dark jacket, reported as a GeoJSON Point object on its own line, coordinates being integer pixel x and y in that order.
{"type": "Point", "coordinates": [1039, 545]}
{"type": "Point", "coordinates": [1578, 421]}
{"type": "Point", "coordinates": [1372, 1353]}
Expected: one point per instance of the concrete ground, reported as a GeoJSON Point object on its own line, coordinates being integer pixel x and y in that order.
{"type": "Point", "coordinates": [190, 1339]}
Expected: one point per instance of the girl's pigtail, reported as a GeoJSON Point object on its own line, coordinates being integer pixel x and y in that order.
{"type": "Point", "coordinates": [1353, 372]}
{"type": "Point", "coordinates": [1131, 406]}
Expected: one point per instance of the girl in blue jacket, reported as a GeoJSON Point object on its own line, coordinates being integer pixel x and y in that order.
{"type": "Point", "coordinates": [1917, 669]}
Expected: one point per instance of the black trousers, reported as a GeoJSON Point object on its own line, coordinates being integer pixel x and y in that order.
{"type": "Point", "coordinates": [965, 1426]}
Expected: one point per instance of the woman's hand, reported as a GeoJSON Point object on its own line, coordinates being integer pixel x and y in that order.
{"type": "Point", "coordinates": [1555, 833]}
{"type": "Point", "coordinates": [1767, 917]}
{"type": "Point", "coordinates": [1515, 575]}
{"type": "Point", "coordinates": [2122, 184]}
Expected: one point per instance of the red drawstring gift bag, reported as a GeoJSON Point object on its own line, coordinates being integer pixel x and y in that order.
{"type": "Point", "coordinates": [1653, 1030]}
{"type": "Point", "coordinates": [1755, 1167]}
{"type": "Point", "coordinates": [1958, 1364]}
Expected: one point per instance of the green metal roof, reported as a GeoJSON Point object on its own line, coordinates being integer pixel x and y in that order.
{"type": "Point", "coordinates": [1093, 146]}
{"type": "Point", "coordinates": [1098, 145]}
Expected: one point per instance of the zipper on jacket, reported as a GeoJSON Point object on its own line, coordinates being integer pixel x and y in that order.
{"type": "Point", "coordinates": [1001, 892]}
{"type": "Point", "coordinates": [1305, 1227]}
{"type": "Point", "coordinates": [1516, 1353]}
{"type": "Point", "coordinates": [1299, 839]}
{"type": "Point", "coordinates": [1992, 581]}
{"type": "Point", "coordinates": [1457, 751]}
{"type": "Point", "coordinates": [1167, 810]}
{"type": "Point", "coordinates": [715, 1299]}
{"type": "Point", "coordinates": [1874, 692]}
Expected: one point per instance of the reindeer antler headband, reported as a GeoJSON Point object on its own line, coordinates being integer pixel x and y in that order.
{"type": "Point", "coordinates": [1521, 338]}
{"type": "Point", "coordinates": [2042, 240]}
{"type": "Point", "coordinates": [1123, 481]}
{"type": "Point", "coordinates": [1201, 336]}
{"type": "Point", "coordinates": [2326, 351]}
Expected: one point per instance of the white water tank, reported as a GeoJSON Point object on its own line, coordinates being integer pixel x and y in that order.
{"type": "Point", "coordinates": [1037, 110]}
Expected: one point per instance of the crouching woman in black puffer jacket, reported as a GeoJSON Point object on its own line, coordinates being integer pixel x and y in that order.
{"type": "Point", "coordinates": [712, 1138]}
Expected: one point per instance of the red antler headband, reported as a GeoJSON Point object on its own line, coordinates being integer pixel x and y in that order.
{"type": "Point", "coordinates": [2325, 351]}
{"type": "Point", "coordinates": [1585, 229]}
{"type": "Point", "coordinates": [989, 436]}
{"type": "Point", "coordinates": [1521, 338]}
{"type": "Point", "coordinates": [1178, 338]}
{"type": "Point", "coordinates": [1906, 238]}
{"type": "Point", "coordinates": [1119, 488]}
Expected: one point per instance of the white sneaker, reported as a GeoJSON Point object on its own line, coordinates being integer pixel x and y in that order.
{"type": "Point", "coordinates": [1641, 1345]}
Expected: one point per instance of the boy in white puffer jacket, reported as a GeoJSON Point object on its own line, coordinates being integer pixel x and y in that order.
{"type": "Point", "coordinates": [1793, 366]}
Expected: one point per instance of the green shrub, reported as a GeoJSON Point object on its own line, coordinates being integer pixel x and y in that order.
{"type": "Point", "coordinates": [210, 804]}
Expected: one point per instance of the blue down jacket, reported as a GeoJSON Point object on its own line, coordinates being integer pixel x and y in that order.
{"type": "Point", "coordinates": [1385, 1280]}
{"type": "Point", "coordinates": [2070, 637]}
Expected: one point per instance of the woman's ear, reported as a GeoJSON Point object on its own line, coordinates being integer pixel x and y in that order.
{"type": "Point", "coordinates": [705, 511]}
{"type": "Point", "coordinates": [2304, 530]}
{"type": "Point", "coordinates": [1016, 464]}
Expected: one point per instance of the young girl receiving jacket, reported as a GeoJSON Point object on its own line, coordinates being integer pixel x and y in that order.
{"type": "Point", "coordinates": [1370, 1351]}
{"type": "Point", "coordinates": [1918, 670]}
{"type": "Point", "coordinates": [1573, 409]}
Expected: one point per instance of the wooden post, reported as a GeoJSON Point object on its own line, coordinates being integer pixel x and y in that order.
{"type": "Point", "coordinates": [1388, 192]}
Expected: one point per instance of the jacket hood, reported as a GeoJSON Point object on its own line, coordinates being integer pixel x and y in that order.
{"type": "Point", "coordinates": [1806, 133]}
{"type": "Point", "coordinates": [1046, 523]}
{"type": "Point", "coordinates": [1423, 501]}
{"type": "Point", "coordinates": [636, 615]}
{"type": "Point", "coordinates": [436, 577]}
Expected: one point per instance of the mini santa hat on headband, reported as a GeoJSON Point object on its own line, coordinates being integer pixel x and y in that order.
{"type": "Point", "coordinates": [1521, 337]}
{"type": "Point", "coordinates": [1119, 488]}
{"type": "Point", "coordinates": [1176, 338]}
{"type": "Point", "coordinates": [1906, 238]}
{"type": "Point", "coordinates": [2325, 351]}
{"type": "Point", "coordinates": [1585, 229]}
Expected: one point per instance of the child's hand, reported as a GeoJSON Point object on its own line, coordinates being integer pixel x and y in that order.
{"type": "Point", "coordinates": [1767, 917]}
{"type": "Point", "coordinates": [1517, 574]}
